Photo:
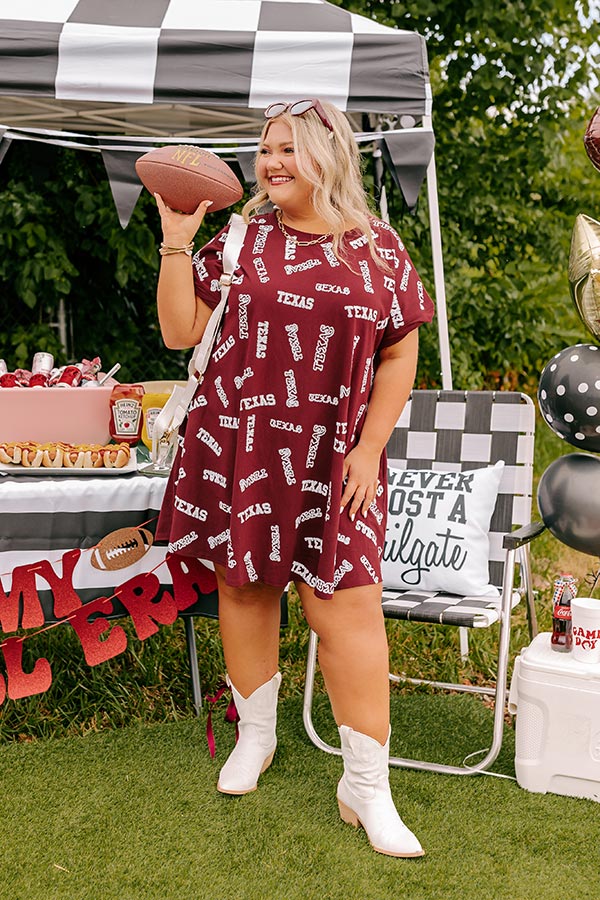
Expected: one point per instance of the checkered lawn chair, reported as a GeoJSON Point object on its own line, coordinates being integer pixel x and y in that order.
{"type": "Point", "coordinates": [459, 431]}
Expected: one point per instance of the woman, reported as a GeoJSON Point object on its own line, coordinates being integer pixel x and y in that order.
{"type": "Point", "coordinates": [283, 472]}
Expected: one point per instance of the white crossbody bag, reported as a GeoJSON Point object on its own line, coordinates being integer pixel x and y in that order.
{"type": "Point", "coordinates": [166, 424]}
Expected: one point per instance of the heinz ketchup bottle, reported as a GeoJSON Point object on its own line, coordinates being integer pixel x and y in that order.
{"type": "Point", "coordinates": [126, 413]}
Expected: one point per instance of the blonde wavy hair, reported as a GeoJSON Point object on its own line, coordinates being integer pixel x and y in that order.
{"type": "Point", "coordinates": [332, 165]}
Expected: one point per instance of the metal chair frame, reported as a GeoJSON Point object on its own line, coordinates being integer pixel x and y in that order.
{"type": "Point", "coordinates": [425, 418]}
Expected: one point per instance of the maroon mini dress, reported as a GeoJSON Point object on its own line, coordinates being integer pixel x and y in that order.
{"type": "Point", "coordinates": [257, 482]}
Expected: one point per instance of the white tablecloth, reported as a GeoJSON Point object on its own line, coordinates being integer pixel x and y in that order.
{"type": "Point", "coordinates": [42, 517]}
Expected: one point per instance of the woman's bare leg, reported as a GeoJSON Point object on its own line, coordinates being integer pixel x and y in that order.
{"type": "Point", "coordinates": [353, 656]}
{"type": "Point", "coordinates": [249, 621]}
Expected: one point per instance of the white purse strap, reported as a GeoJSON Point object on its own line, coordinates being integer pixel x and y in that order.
{"type": "Point", "coordinates": [231, 252]}
{"type": "Point", "coordinates": [175, 410]}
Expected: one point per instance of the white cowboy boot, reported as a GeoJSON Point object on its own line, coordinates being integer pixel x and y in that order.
{"type": "Point", "coordinates": [364, 796]}
{"type": "Point", "coordinates": [256, 744]}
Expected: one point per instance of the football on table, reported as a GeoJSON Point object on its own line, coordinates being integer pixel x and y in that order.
{"type": "Point", "coordinates": [184, 176]}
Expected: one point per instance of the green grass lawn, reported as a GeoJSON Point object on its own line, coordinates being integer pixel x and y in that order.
{"type": "Point", "coordinates": [108, 790]}
{"type": "Point", "coordinates": [133, 814]}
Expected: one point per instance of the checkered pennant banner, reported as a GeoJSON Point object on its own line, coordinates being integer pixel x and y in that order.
{"type": "Point", "coordinates": [213, 52]}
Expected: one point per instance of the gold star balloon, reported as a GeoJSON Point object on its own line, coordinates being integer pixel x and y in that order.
{"type": "Point", "coordinates": [584, 271]}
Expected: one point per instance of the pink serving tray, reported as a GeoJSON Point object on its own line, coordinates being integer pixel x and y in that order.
{"type": "Point", "coordinates": [74, 415]}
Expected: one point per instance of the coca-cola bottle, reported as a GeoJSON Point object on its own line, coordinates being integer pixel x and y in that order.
{"type": "Point", "coordinates": [565, 588]}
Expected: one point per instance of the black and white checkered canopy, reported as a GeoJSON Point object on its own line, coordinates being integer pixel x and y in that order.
{"type": "Point", "coordinates": [90, 74]}
{"type": "Point", "coordinates": [203, 70]}
{"type": "Point", "coordinates": [119, 76]}
{"type": "Point", "coordinates": [207, 53]}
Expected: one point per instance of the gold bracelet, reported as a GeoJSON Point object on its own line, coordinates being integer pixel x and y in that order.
{"type": "Point", "coordinates": [165, 250]}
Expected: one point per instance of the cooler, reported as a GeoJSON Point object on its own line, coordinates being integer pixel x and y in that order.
{"type": "Point", "coordinates": [79, 415]}
{"type": "Point", "coordinates": [556, 700]}
{"type": "Point", "coordinates": [75, 415]}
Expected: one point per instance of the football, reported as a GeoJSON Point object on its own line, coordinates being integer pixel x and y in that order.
{"type": "Point", "coordinates": [121, 548]}
{"type": "Point", "coordinates": [184, 176]}
{"type": "Point", "coordinates": [591, 140]}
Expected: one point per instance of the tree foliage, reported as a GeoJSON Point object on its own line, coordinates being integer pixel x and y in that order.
{"type": "Point", "coordinates": [62, 239]}
{"type": "Point", "coordinates": [511, 101]}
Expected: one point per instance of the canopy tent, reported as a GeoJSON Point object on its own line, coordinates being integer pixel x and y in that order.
{"type": "Point", "coordinates": [120, 77]}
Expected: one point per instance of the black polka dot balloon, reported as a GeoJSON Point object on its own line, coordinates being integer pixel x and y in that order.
{"type": "Point", "coordinates": [569, 395]}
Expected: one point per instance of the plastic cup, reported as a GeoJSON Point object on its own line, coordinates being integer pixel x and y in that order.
{"type": "Point", "coordinates": [585, 613]}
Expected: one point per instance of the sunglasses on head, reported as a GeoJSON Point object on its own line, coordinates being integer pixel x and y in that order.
{"type": "Point", "coordinates": [298, 108]}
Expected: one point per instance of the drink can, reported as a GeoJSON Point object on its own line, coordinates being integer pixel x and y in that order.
{"type": "Point", "coordinates": [39, 379]}
{"type": "Point", "coordinates": [90, 369]}
{"type": "Point", "coordinates": [565, 588]}
{"type": "Point", "coordinates": [70, 377]}
{"type": "Point", "coordinates": [22, 376]}
{"type": "Point", "coordinates": [42, 363]}
{"type": "Point", "coordinates": [9, 379]}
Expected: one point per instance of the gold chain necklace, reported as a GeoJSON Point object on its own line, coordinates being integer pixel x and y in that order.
{"type": "Point", "coordinates": [292, 237]}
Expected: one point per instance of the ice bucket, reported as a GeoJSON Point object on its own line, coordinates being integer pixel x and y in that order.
{"type": "Point", "coordinates": [74, 415]}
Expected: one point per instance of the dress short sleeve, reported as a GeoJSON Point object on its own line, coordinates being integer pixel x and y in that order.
{"type": "Point", "coordinates": [207, 266]}
{"type": "Point", "coordinates": [411, 305]}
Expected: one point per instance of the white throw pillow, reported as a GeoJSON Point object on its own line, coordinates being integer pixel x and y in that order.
{"type": "Point", "coordinates": [437, 530]}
